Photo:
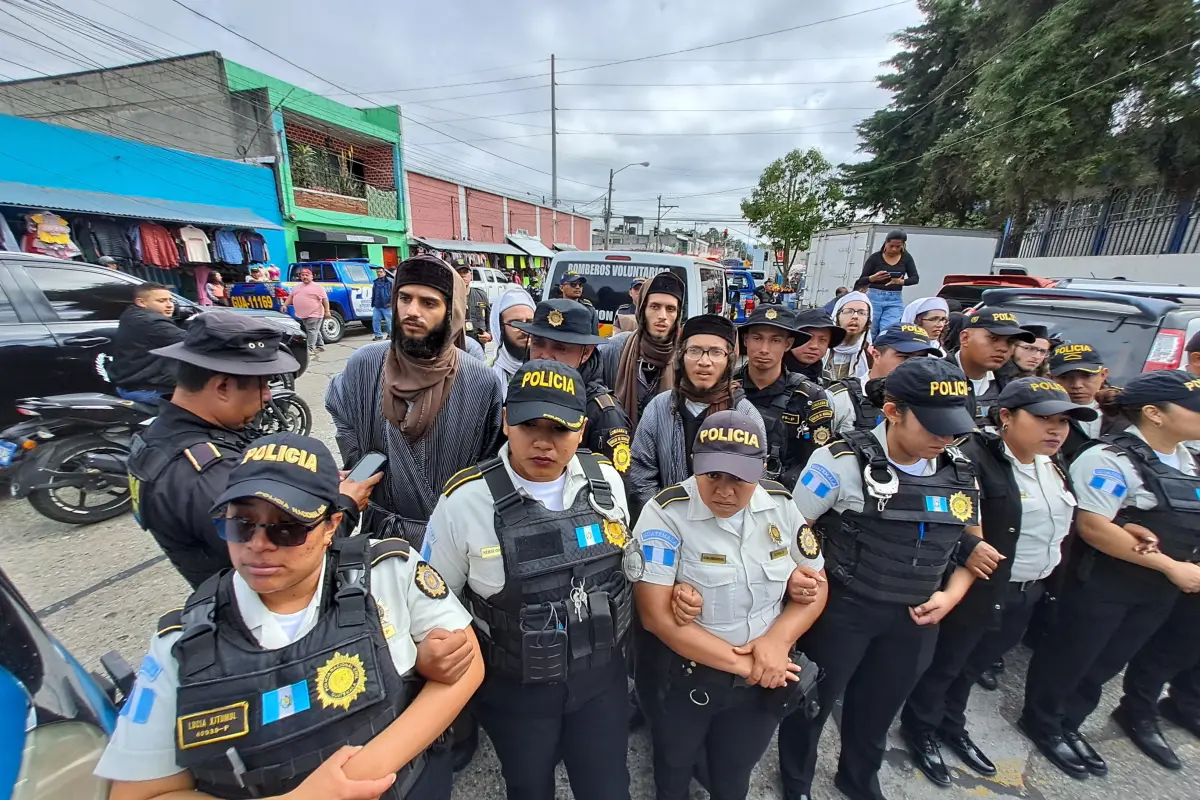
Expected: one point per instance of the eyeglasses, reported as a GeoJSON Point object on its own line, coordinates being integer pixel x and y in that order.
{"type": "Point", "coordinates": [280, 534]}
{"type": "Point", "coordinates": [854, 312]}
{"type": "Point", "coordinates": [1033, 348]}
{"type": "Point", "coordinates": [934, 320]}
{"type": "Point", "coordinates": [713, 353]}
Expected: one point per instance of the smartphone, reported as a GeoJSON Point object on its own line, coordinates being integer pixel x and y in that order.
{"type": "Point", "coordinates": [896, 274]}
{"type": "Point", "coordinates": [367, 466]}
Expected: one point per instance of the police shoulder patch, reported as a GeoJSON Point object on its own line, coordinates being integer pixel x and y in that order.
{"type": "Point", "coordinates": [807, 542]}
{"type": "Point", "coordinates": [430, 581]}
{"type": "Point", "coordinates": [202, 456]}
{"type": "Point", "coordinates": [170, 621]}
{"type": "Point", "coordinates": [837, 388]}
{"type": "Point", "coordinates": [840, 447]}
{"type": "Point", "coordinates": [604, 400]}
{"type": "Point", "coordinates": [461, 477]}
{"type": "Point", "coordinates": [389, 548]}
{"type": "Point", "coordinates": [774, 487]}
{"type": "Point", "coordinates": [670, 495]}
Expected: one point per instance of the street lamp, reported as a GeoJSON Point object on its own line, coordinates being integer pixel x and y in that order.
{"type": "Point", "coordinates": [608, 202]}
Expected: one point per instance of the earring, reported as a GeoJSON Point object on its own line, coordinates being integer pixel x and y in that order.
{"type": "Point", "coordinates": [1004, 428]}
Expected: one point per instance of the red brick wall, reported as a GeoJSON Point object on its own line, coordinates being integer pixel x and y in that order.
{"type": "Point", "coordinates": [547, 226]}
{"type": "Point", "coordinates": [378, 167]}
{"type": "Point", "coordinates": [522, 216]}
{"type": "Point", "coordinates": [583, 232]}
{"type": "Point", "coordinates": [434, 207]}
{"type": "Point", "coordinates": [330, 202]}
{"type": "Point", "coordinates": [485, 216]}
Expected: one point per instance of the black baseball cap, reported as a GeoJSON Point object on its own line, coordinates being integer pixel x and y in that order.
{"type": "Point", "coordinates": [1073, 357]}
{"type": "Point", "coordinates": [817, 318]}
{"type": "Point", "coordinates": [232, 344]}
{"type": "Point", "coordinates": [1000, 323]}
{"type": "Point", "coordinates": [1162, 386]}
{"type": "Point", "coordinates": [544, 389]}
{"type": "Point", "coordinates": [1194, 343]}
{"type": "Point", "coordinates": [1044, 398]}
{"type": "Point", "coordinates": [572, 277]}
{"type": "Point", "coordinates": [774, 316]}
{"type": "Point", "coordinates": [561, 320]}
{"type": "Point", "coordinates": [295, 473]}
{"type": "Point", "coordinates": [909, 339]}
{"type": "Point", "coordinates": [936, 390]}
{"type": "Point", "coordinates": [730, 442]}
{"type": "Point", "coordinates": [636, 282]}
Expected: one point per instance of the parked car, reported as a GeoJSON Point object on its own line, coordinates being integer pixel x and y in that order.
{"type": "Point", "coordinates": [968, 289]}
{"type": "Point", "coordinates": [58, 320]}
{"type": "Point", "coordinates": [347, 282]}
{"type": "Point", "coordinates": [1134, 333]}
{"type": "Point", "coordinates": [493, 282]}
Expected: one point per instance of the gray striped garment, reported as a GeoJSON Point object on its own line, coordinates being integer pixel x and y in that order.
{"type": "Point", "coordinates": [466, 431]}
{"type": "Point", "coordinates": [659, 455]}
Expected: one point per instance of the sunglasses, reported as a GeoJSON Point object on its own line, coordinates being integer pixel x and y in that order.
{"type": "Point", "coordinates": [280, 534]}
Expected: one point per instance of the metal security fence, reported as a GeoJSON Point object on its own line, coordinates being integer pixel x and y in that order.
{"type": "Point", "coordinates": [1146, 221]}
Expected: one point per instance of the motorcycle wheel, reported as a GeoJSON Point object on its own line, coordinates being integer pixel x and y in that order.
{"type": "Point", "coordinates": [70, 504]}
{"type": "Point", "coordinates": [289, 414]}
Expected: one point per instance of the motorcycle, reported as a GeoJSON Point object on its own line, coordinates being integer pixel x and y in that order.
{"type": "Point", "coordinates": [69, 460]}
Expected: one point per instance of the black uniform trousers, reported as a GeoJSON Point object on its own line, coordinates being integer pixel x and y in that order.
{"type": "Point", "coordinates": [717, 721]}
{"type": "Point", "coordinates": [875, 653]}
{"type": "Point", "coordinates": [1100, 625]}
{"type": "Point", "coordinates": [1173, 652]}
{"type": "Point", "coordinates": [965, 648]}
{"type": "Point", "coordinates": [584, 722]}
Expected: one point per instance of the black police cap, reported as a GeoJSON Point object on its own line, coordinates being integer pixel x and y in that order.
{"type": "Point", "coordinates": [544, 389]}
{"type": "Point", "coordinates": [297, 474]}
{"type": "Point", "coordinates": [1073, 357]}
{"type": "Point", "coordinates": [561, 320]}
{"type": "Point", "coordinates": [1000, 323]}
{"type": "Point", "coordinates": [904, 338]}
{"type": "Point", "coordinates": [1162, 386]}
{"type": "Point", "coordinates": [817, 318]}
{"type": "Point", "coordinates": [232, 344]}
{"type": "Point", "coordinates": [1044, 398]}
{"type": "Point", "coordinates": [936, 390]}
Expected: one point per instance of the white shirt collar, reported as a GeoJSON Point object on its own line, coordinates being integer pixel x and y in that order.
{"type": "Point", "coordinates": [1184, 455]}
{"type": "Point", "coordinates": [575, 476]}
{"type": "Point", "coordinates": [261, 622]}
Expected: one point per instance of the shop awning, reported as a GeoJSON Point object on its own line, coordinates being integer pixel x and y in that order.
{"type": "Point", "coordinates": [116, 205]}
{"type": "Point", "coordinates": [531, 245]}
{"type": "Point", "coordinates": [322, 235]}
{"type": "Point", "coordinates": [560, 246]}
{"type": "Point", "coordinates": [467, 246]}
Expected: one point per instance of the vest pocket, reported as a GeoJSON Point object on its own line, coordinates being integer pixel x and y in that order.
{"type": "Point", "coordinates": [715, 582]}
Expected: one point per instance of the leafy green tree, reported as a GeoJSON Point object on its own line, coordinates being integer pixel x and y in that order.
{"type": "Point", "coordinates": [796, 196]}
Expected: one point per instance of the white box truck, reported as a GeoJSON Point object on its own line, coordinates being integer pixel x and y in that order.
{"type": "Point", "coordinates": [836, 257]}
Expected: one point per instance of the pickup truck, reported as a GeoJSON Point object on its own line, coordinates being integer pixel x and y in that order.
{"type": "Point", "coordinates": [743, 294]}
{"type": "Point", "coordinates": [347, 282]}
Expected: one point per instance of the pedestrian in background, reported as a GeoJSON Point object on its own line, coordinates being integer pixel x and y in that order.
{"type": "Point", "coordinates": [146, 325]}
{"type": "Point", "coordinates": [837, 295]}
{"type": "Point", "coordinates": [381, 304]}
{"type": "Point", "coordinates": [478, 308]}
{"type": "Point", "coordinates": [217, 291]}
{"type": "Point", "coordinates": [310, 303]}
{"type": "Point", "coordinates": [888, 272]}
{"type": "Point", "coordinates": [514, 307]}
{"type": "Point", "coordinates": [641, 364]}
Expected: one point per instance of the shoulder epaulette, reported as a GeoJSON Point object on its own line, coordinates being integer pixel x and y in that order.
{"type": "Point", "coordinates": [389, 548]}
{"type": "Point", "coordinates": [837, 388]}
{"type": "Point", "coordinates": [459, 478]}
{"type": "Point", "coordinates": [203, 455]}
{"type": "Point", "coordinates": [602, 459]}
{"type": "Point", "coordinates": [604, 400]}
{"type": "Point", "coordinates": [840, 447]}
{"type": "Point", "coordinates": [774, 487]}
{"type": "Point", "coordinates": [670, 495]}
{"type": "Point", "coordinates": [170, 621]}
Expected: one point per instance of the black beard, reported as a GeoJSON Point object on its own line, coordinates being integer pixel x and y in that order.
{"type": "Point", "coordinates": [520, 353]}
{"type": "Point", "coordinates": [424, 348]}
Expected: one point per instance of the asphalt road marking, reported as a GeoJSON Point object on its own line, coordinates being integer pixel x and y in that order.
{"type": "Point", "coordinates": [67, 602]}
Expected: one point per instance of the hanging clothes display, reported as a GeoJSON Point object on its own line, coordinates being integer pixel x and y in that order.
{"type": "Point", "coordinates": [227, 248]}
{"type": "Point", "coordinates": [158, 246]}
{"type": "Point", "coordinates": [104, 237]}
{"type": "Point", "coordinates": [195, 245]}
{"type": "Point", "coordinates": [201, 275]}
{"type": "Point", "coordinates": [50, 235]}
{"type": "Point", "coordinates": [134, 234]}
{"type": "Point", "coordinates": [254, 246]}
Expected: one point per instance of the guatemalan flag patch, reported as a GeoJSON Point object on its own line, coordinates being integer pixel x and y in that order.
{"type": "Point", "coordinates": [1108, 481]}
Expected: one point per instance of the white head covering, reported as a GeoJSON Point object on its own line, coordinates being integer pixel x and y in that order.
{"type": "Point", "coordinates": [918, 307]}
{"type": "Point", "coordinates": [853, 353]}
{"type": "Point", "coordinates": [505, 365]}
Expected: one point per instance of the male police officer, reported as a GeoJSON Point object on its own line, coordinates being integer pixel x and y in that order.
{"type": "Point", "coordinates": [571, 286]}
{"type": "Point", "coordinates": [533, 539]}
{"type": "Point", "coordinates": [858, 402]}
{"type": "Point", "coordinates": [561, 331]}
{"type": "Point", "coordinates": [182, 461]}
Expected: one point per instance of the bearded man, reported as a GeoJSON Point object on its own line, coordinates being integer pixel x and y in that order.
{"type": "Point", "coordinates": [513, 308]}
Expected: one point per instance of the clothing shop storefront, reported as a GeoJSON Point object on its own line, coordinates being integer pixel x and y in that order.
{"type": "Point", "coordinates": [162, 215]}
{"type": "Point", "coordinates": [527, 270]}
{"type": "Point", "coordinates": [477, 254]}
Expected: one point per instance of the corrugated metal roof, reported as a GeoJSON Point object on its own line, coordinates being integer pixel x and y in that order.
{"type": "Point", "coordinates": [564, 246]}
{"type": "Point", "coordinates": [467, 246]}
{"type": "Point", "coordinates": [531, 245]}
{"type": "Point", "coordinates": [52, 199]}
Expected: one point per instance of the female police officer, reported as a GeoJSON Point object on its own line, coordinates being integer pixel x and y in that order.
{"type": "Point", "coordinates": [739, 540]}
{"type": "Point", "coordinates": [308, 644]}
{"type": "Point", "coordinates": [1117, 594]}
{"type": "Point", "coordinates": [1026, 514]}
{"type": "Point", "coordinates": [534, 539]}
{"type": "Point", "coordinates": [887, 547]}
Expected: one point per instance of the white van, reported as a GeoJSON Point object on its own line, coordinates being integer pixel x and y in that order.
{"type": "Point", "coordinates": [609, 274]}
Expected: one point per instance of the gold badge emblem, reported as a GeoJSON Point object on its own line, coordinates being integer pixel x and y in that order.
{"type": "Point", "coordinates": [341, 681]}
{"type": "Point", "coordinates": [555, 318]}
{"type": "Point", "coordinates": [776, 536]}
{"type": "Point", "coordinates": [470, 327]}
{"type": "Point", "coordinates": [806, 540]}
{"type": "Point", "coordinates": [389, 630]}
{"type": "Point", "coordinates": [430, 582]}
{"type": "Point", "coordinates": [771, 313]}
{"type": "Point", "coordinates": [614, 533]}
{"type": "Point", "coordinates": [961, 507]}
{"type": "Point", "coordinates": [621, 457]}
{"type": "Point", "coordinates": [821, 436]}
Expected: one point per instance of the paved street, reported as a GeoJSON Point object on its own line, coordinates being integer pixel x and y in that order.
{"type": "Point", "coordinates": [103, 587]}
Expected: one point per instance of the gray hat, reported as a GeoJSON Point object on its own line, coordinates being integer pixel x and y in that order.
{"type": "Point", "coordinates": [232, 344]}
{"type": "Point", "coordinates": [730, 442]}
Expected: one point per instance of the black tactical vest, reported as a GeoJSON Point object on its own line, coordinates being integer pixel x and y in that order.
{"type": "Point", "coordinates": [284, 712]}
{"type": "Point", "coordinates": [898, 548]}
{"type": "Point", "coordinates": [798, 420]}
{"type": "Point", "coordinates": [867, 415]}
{"type": "Point", "coordinates": [985, 401]}
{"type": "Point", "coordinates": [566, 605]}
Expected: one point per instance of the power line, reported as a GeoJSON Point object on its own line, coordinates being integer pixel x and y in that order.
{"type": "Point", "coordinates": [741, 60]}
{"type": "Point", "coordinates": [699, 110]}
{"type": "Point", "coordinates": [766, 84]}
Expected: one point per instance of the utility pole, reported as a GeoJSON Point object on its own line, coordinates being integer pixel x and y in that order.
{"type": "Point", "coordinates": [658, 225]}
{"type": "Point", "coordinates": [608, 209]}
{"type": "Point", "coordinates": [553, 141]}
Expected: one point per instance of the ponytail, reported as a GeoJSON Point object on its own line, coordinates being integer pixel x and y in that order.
{"type": "Point", "coordinates": [1108, 399]}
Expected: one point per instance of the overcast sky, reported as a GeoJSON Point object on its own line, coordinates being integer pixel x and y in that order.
{"type": "Point", "coordinates": [813, 83]}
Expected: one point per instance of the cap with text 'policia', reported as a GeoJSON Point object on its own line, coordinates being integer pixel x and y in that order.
{"type": "Point", "coordinates": [295, 473]}
{"type": "Point", "coordinates": [908, 339]}
{"type": "Point", "coordinates": [562, 320]}
{"type": "Point", "coordinates": [1162, 386]}
{"type": "Point", "coordinates": [1042, 398]}
{"type": "Point", "coordinates": [1073, 357]}
{"type": "Point", "coordinates": [1000, 323]}
{"type": "Point", "coordinates": [730, 442]}
{"type": "Point", "coordinates": [936, 391]}
{"type": "Point", "coordinates": [544, 389]}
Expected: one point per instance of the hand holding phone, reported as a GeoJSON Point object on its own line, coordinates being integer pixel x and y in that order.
{"type": "Point", "coordinates": [361, 479]}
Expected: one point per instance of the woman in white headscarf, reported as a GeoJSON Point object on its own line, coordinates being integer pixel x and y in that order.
{"type": "Point", "coordinates": [512, 350]}
{"type": "Point", "coordinates": [930, 314]}
{"type": "Point", "coordinates": [852, 313]}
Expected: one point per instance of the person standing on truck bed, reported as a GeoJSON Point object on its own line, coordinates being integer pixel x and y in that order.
{"type": "Point", "coordinates": [888, 272]}
{"type": "Point", "coordinates": [641, 364]}
{"type": "Point", "coordinates": [312, 308]}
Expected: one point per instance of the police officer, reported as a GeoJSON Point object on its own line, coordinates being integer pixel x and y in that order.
{"type": "Point", "coordinates": [796, 411]}
{"type": "Point", "coordinates": [182, 461]}
{"type": "Point", "coordinates": [1026, 511]}
{"type": "Point", "coordinates": [534, 541]}
{"type": "Point", "coordinates": [890, 506]}
{"type": "Point", "coordinates": [985, 345]}
{"type": "Point", "coordinates": [1116, 592]}
{"type": "Point", "coordinates": [561, 331]}
{"type": "Point", "coordinates": [478, 309]}
{"type": "Point", "coordinates": [731, 675]}
{"type": "Point", "coordinates": [308, 644]}
{"type": "Point", "coordinates": [858, 402]}
{"type": "Point", "coordinates": [571, 286]}
{"type": "Point", "coordinates": [1079, 369]}
{"type": "Point", "coordinates": [808, 358]}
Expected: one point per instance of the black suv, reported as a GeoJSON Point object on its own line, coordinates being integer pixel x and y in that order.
{"type": "Point", "coordinates": [58, 320]}
{"type": "Point", "coordinates": [1138, 330]}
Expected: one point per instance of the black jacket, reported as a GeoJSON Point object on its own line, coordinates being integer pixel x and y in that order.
{"type": "Point", "coordinates": [140, 331]}
{"type": "Point", "coordinates": [907, 265]}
